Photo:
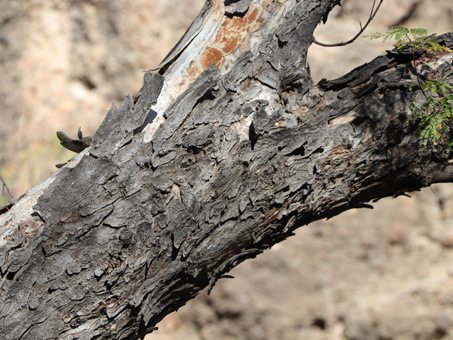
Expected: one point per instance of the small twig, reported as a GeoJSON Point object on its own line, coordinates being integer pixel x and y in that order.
{"type": "Point", "coordinates": [5, 186]}
{"type": "Point", "coordinates": [362, 29]}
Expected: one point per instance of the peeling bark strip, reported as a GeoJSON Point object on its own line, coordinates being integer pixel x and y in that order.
{"type": "Point", "coordinates": [233, 157]}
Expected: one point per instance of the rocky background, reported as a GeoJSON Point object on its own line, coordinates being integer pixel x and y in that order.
{"type": "Point", "coordinates": [385, 274]}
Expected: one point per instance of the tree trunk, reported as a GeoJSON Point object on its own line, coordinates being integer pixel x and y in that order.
{"type": "Point", "coordinates": [226, 149]}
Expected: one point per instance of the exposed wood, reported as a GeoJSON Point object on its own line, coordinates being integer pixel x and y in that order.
{"type": "Point", "coordinates": [220, 157]}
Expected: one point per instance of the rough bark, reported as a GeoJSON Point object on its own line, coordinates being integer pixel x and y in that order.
{"type": "Point", "coordinates": [244, 149]}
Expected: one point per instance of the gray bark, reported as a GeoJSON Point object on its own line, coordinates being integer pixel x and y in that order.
{"type": "Point", "coordinates": [245, 148]}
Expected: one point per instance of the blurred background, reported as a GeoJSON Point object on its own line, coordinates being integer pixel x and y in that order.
{"type": "Point", "coordinates": [385, 274]}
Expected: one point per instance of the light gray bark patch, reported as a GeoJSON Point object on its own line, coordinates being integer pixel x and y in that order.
{"type": "Point", "coordinates": [241, 70]}
{"type": "Point", "coordinates": [268, 76]}
{"type": "Point", "coordinates": [197, 138]}
{"type": "Point", "coordinates": [36, 332]}
{"type": "Point", "coordinates": [294, 40]}
{"type": "Point", "coordinates": [122, 122]}
{"type": "Point", "coordinates": [85, 180]}
{"type": "Point", "coordinates": [183, 107]}
{"type": "Point", "coordinates": [150, 91]}
{"type": "Point", "coordinates": [115, 130]}
{"type": "Point", "coordinates": [262, 122]}
{"type": "Point", "coordinates": [73, 268]}
{"type": "Point", "coordinates": [148, 120]}
{"type": "Point", "coordinates": [236, 7]}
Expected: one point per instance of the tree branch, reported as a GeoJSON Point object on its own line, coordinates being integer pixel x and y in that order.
{"type": "Point", "coordinates": [362, 29]}
{"type": "Point", "coordinates": [5, 186]}
{"type": "Point", "coordinates": [242, 149]}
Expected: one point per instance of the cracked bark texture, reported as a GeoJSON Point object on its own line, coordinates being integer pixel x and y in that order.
{"type": "Point", "coordinates": [244, 149]}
